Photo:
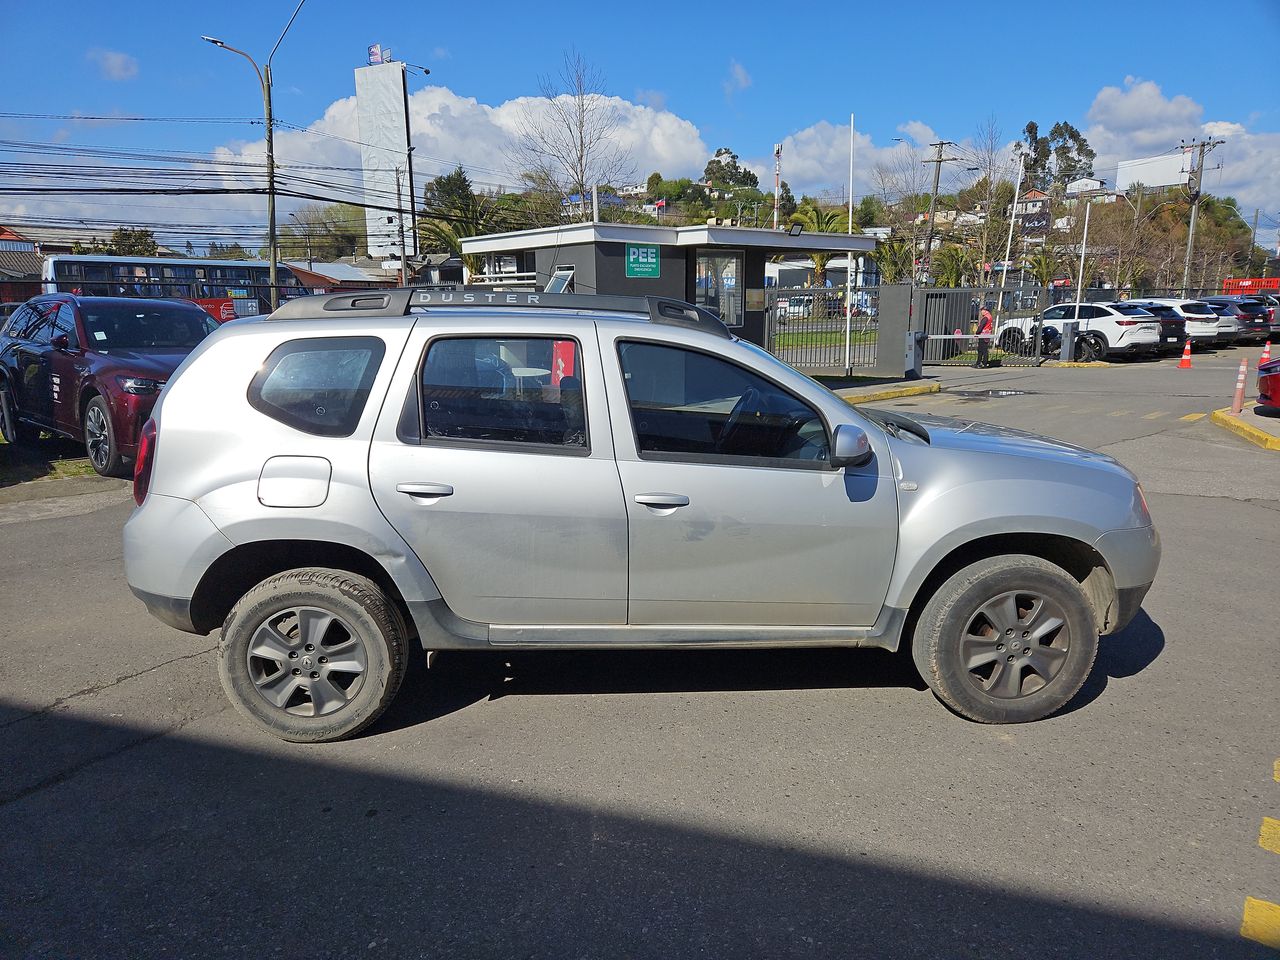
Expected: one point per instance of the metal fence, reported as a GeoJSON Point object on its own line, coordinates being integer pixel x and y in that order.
{"type": "Point", "coordinates": [808, 327]}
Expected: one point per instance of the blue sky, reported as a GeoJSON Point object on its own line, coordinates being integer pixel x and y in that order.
{"type": "Point", "coordinates": [758, 74]}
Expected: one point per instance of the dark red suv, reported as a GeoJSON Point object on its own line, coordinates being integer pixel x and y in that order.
{"type": "Point", "coordinates": [91, 367]}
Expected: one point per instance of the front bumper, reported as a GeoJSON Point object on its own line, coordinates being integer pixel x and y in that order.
{"type": "Point", "coordinates": [1133, 557]}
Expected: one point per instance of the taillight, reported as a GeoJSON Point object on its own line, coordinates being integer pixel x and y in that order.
{"type": "Point", "coordinates": [1127, 323]}
{"type": "Point", "coordinates": [142, 466]}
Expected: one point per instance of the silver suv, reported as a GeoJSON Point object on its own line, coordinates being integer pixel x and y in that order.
{"type": "Point", "coordinates": [475, 470]}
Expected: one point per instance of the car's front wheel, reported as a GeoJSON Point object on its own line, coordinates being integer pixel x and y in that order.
{"type": "Point", "coordinates": [1006, 640]}
{"type": "Point", "coordinates": [100, 439]}
{"type": "Point", "coordinates": [312, 655]}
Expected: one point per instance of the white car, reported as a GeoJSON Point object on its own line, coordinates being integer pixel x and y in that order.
{"type": "Point", "coordinates": [1105, 328]}
{"type": "Point", "coordinates": [1202, 322]}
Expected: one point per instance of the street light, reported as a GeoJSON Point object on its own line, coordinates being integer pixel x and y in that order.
{"type": "Point", "coordinates": [264, 80]}
{"type": "Point", "coordinates": [306, 229]}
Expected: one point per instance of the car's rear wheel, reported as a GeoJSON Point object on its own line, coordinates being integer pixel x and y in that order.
{"type": "Point", "coordinates": [100, 439]}
{"type": "Point", "coordinates": [1006, 640]}
{"type": "Point", "coordinates": [11, 428]}
{"type": "Point", "coordinates": [1011, 341]}
{"type": "Point", "coordinates": [312, 655]}
{"type": "Point", "coordinates": [1088, 349]}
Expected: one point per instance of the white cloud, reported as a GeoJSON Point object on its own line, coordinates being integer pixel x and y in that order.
{"type": "Point", "coordinates": [112, 64]}
{"type": "Point", "coordinates": [1138, 120]}
{"type": "Point", "coordinates": [652, 98]}
{"type": "Point", "coordinates": [738, 79]}
{"type": "Point", "coordinates": [920, 133]}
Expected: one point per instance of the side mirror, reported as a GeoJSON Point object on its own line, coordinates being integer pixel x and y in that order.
{"type": "Point", "coordinates": [60, 342]}
{"type": "Point", "coordinates": [850, 447]}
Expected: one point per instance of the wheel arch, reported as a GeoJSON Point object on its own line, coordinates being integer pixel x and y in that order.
{"type": "Point", "coordinates": [242, 567]}
{"type": "Point", "coordinates": [1084, 563]}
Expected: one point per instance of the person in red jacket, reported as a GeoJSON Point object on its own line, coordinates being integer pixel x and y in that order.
{"type": "Point", "coordinates": [986, 324]}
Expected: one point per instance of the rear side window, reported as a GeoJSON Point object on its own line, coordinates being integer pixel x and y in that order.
{"type": "Point", "coordinates": [318, 385]}
{"type": "Point", "coordinates": [1130, 310]}
{"type": "Point", "coordinates": [517, 390]}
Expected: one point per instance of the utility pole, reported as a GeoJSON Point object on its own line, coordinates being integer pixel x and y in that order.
{"type": "Point", "coordinates": [1193, 183]}
{"type": "Point", "coordinates": [777, 181]}
{"type": "Point", "coordinates": [848, 273]}
{"type": "Point", "coordinates": [404, 264]}
{"type": "Point", "coordinates": [937, 162]}
{"type": "Point", "coordinates": [1253, 243]}
{"type": "Point", "coordinates": [264, 80]}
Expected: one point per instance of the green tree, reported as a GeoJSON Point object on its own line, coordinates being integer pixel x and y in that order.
{"type": "Point", "coordinates": [324, 232]}
{"type": "Point", "coordinates": [894, 259]}
{"type": "Point", "coordinates": [134, 242]}
{"type": "Point", "coordinates": [950, 263]}
{"type": "Point", "coordinates": [723, 171]}
{"type": "Point", "coordinates": [449, 191]}
{"type": "Point", "coordinates": [228, 251]}
{"type": "Point", "coordinates": [458, 212]}
{"type": "Point", "coordinates": [786, 201]}
{"type": "Point", "coordinates": [651, 185]}
{"type": "Point", "coordinates": [1043, 265]}
{"type": "Point", "coordinates": [1057, 159]}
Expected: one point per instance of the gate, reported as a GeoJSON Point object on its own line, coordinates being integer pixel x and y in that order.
{"type": "Point", "coordinates": [806, 326]}
{"type": "Point", "coordinates": [949, 318]}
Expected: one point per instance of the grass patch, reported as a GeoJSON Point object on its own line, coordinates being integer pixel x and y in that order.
{"type": "Point", "coordinates": [50, 458]}
{"type": "Point", "coordinates": [819, 338]}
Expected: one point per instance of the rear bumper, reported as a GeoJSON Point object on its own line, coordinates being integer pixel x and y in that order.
{"type": "Point", "coordinates": [1128, 603]}
{"type": "Point", "coordinates": [174, 611]}
{"type": "Point", "coordinates": [1133, 557]}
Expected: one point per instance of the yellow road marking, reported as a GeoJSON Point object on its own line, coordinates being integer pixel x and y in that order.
{"type": "Point", "coordinates": [1193, 416]}
{"type": "Point", "coordinates": [1261, 922]}
{"type": "Point", "coordinates": [1155, 416]}
{"type": "Point", "coordinates": [1275, 773]}
{"type": "Point", "coordinates": [1118, 413]}
{"type": "Point", "coordinates": [1269, 835]}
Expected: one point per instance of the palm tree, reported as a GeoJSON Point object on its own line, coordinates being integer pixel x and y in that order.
{"type": "Point", "coordinates": [1043, 267]}
{"type": "Point", "coordinates": [893, 258]}
{"type": "Point", "coordinates": [447, 227]}
{"type": "Point", "coordinates": [816, 220]}
{"type": "Point", "coordinates": [949, 265]}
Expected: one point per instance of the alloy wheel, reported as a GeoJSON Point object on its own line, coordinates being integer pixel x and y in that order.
{"type": "Point", "coordinates": [96, 436]}
{"type": "Point", "coordinates": [1015, 644]}
{"type": "Point", "coordinates": [306, 661]}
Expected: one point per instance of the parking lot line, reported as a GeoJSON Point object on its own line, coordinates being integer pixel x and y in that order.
{"type": "Point", "coordinates": [1269, 835]}
{"type": "Point", "coordinates": [1118, 413]}
{"type": "Point", "coordinates": [1154, 416]}
{"type": "Point", "coordinates": [1275, 772]}
{"type": "Point", "coordinates": [1194, 416]}
{"type": "Point", "coordinates": [1261, 922]}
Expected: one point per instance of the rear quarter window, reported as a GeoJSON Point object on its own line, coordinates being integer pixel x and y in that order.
{"type": "Point", "coordinates": [318, 385]}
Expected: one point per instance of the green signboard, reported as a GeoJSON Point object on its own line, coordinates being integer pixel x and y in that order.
{"type": "Point", "coordinates": [643, 261]}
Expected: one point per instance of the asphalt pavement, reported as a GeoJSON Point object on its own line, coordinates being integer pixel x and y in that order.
{"type": "Point", "coordinates": [771, 804]}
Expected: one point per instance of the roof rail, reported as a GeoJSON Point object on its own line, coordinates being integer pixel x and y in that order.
{"type": "Point", "coordinates": [400, 302]}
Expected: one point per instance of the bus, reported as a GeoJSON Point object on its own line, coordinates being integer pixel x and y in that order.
{"type": "Point", "coordinates": [225, 288]}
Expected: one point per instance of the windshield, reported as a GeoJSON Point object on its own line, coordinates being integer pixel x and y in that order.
{"type": "Point", "coordinates": [1161, 311]}
{"type": "Point", "coordinates": [141, 325]}
{"type": "Point", "coordinates": [1197, 309]}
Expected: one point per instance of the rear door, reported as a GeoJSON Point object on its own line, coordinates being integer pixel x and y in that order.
{"type": "Point", "coordinates": [500, 472]}
{"type": "Point", "coordinates": [34, 369]}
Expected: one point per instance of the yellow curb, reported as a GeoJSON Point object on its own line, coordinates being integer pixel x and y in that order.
{"type": "Point", "coordinates": [1269, 835]}
{"type": "Point", "coordinates": [894, 393]}
{"type": "Point", "coordinates": [1238, 425]}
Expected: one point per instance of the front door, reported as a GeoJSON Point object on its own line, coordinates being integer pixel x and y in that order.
{"type": "Point", "coordinates": [735, 516]}
{"type": "Point", "coordinates": [501, 477]}
{"type": "Point", "coordinates": [33, 361]}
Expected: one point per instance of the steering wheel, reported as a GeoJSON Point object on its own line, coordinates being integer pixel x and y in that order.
{"type": "Point", "coordinates": [749, 400]}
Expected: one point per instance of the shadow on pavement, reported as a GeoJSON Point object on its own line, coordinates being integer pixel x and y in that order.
{"type": "Point", "coordinates": [181, 847]}
{"type": "Point", "coordinates": [458, 679]}
{"type": "Point", "coordinates": [1120, 655]}
{"type": "Point", "coordinates": [31, 461]}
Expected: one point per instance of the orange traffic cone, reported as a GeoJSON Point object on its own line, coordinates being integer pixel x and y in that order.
{"type": "Point", "coordinates": [1266, 354]}
{"type": "Point", "coordinates": [1185, 362]}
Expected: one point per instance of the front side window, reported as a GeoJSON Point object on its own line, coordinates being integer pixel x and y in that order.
{"type": "Point", "coordinates": [64, 322]}
{"type": "Point", "coordinates": [687, 405]}
{"type": "Point", "coordinates": [318, 385]}
{"type": "Point", "coordinates": [1056, 313]}
{"type": "Point", "coordinates": [519, 390]}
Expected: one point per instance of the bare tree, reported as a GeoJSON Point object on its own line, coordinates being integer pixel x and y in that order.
{"type": "Point", "coordinates": [567, 135]}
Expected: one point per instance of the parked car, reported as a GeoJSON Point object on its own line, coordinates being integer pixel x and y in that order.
{"type": "Point", "coordinates": [1104, 328]}
{"type": "Point", "coordinates": [561, 471]}
{"type": "Point", "coordinates": [1201, 322]}
{"type": "Point", "coordinates": [1230, 330]}
{"type": "Point", "coordinates": [90, 368]}
{"type": "Point", "coordinates": [1173, 326]}
{"type": "Point", "coordinates": [1252, 315]}
{"type": "Point", "coordinates": [1269, 387]}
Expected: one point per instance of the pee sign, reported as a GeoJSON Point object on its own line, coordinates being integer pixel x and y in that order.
{"type": "Point", "coordinates": [643, 261]}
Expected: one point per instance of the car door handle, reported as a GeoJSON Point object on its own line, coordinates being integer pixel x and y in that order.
{"type": "Point", "coordinates": [425, 489]}
{"type": "Point", "coordinates": [662, 499]}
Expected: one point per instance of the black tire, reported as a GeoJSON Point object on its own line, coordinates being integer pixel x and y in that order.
{"type": "Point", "coordinates": [1011, 341]}
{"type": "Point", "coordinates": [954, 632]}
{"type": "Point", "coordinates": [270, 619]}
{"type": "Point", "coordinates": [100, 439]}
{"type": "Point", "coordinates": [1087, 350]}
{"type": "Point", "coordinates": [11, 428]}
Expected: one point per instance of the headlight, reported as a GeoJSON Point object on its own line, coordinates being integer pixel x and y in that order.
{"type": "Point", "coordinates": [138, 385]}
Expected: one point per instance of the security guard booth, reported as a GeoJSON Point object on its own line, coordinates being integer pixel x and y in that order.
{"type": "Point", "coordinates": [718, 267]}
